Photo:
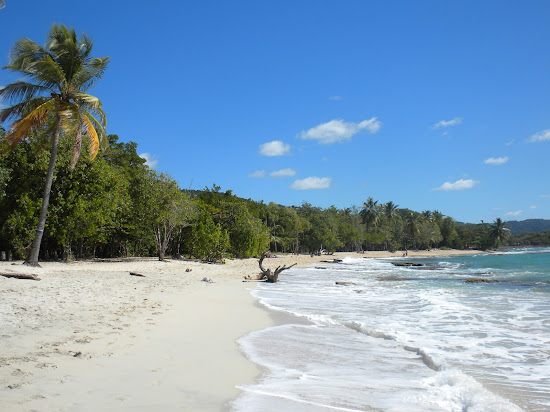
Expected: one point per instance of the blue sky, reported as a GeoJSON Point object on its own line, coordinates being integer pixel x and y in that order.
{"type": "Point", "coordinates": [431, 104]}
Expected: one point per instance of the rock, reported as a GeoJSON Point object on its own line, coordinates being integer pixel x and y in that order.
{"type": "Point", "coordinates": [345, 283]}
{"type": "Point", "coordinates": [407, 264]}
{"type": "Point", "coordinates": [480, 280]}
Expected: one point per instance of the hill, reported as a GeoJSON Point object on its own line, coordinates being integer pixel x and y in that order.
{"type": "Point", "coordinates": [529, 225]}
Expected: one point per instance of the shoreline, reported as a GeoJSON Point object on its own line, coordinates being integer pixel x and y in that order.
{"type": "Point", "coordinates": [88, 336]}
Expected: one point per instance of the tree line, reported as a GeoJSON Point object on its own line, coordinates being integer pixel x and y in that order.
{"type": "Point", "coordinates": [115, 206]}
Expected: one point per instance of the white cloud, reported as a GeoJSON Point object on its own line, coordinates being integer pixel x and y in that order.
{"type": "Point", "coordinates": [509, 143]}
{"type": "Point", "coordinates": [274, 148]}
{"type": "Point", "coordinates": [311, 183]}
{"type": "Point", "coordinates": [335, 98]}
{"type": "Point", "coordinates": [540, 136]}
{"type": "Point", "coordinates": [516, 213]}
{"type": "Point", "coordinates": [288, 172]}
{"type": "Point", "coordinates": [533, 207]}
{"type": "Point", "coordinates": [496, 161]}
{"type": "Point", "coordinates": [257, 174]}
{"type": "Point", "coordinates": [447, 123]}
{"type": "Point", "coordinates": [545, 195]}
{"type": "Point", "coordinates": [150, 160]}
{"type": "Point", "coordinates": [461, 184]}
{"type": "Point", "coordinates": [339, 130]}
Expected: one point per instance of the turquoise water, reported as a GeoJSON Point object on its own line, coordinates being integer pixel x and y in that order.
{"type": "Point", "coordinates": [414, 339]}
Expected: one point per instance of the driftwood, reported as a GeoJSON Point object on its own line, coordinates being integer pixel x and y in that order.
{"type": "Point", "coordinates": [137, 274]}
{"type": "Point", "coordinates": [20, 276]}
{"type": "Point", "coordinates": [267, 274]}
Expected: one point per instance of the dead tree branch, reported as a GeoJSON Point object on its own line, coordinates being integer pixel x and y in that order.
{"type": "Point", "coordinates": [267, 274]}
{"type": "Point", "coordinates": [20, 276]}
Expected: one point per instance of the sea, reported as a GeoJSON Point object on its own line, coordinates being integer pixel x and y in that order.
{"type": "Point", "coordinates": [459, 333]}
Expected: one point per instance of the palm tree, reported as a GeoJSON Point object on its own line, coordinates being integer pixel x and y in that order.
{"type": "Point", "coordinates": [390, 210]}
{"type": "Point", "coordinates": [51, 99]}
{"type": "Point", "coordinates": [411, 226]}
{"type": "Point", "coordinates": [499, 233]}
{"type": "Point", "coordinates": [370, 213]}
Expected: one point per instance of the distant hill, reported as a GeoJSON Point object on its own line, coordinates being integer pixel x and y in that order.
{"type": "Point", "coordinates": [529, 225]}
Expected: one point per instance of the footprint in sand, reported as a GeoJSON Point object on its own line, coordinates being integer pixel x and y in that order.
{"type": "Point", "coordinates": [38, 397]}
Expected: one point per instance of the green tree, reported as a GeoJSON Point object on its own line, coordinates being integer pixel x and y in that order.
{"type": "Point", "coordinates": [499, 232]}
{"type": "Point", "coordinates": [412, 230]}
{"type": "Point", "coordinates": [53, 97]}
{"type": "Point", "coordinates": [370, 213]}
{"type": "Point", "coordinates": [85, 202]}
{"type": "Point", "coordinates": [208, 241]}
{"type": "Point", "coordinates": [169, 208]}
{"type": "Point", "coordinates": [448, 231]}
{"type": "Point", "coordinates": [4, 171]}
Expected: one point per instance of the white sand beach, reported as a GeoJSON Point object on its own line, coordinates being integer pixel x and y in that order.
{"type": "Point", "coordinates": [90, 337]}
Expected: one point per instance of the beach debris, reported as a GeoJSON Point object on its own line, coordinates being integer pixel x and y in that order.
{"type": "Point", "coordinates": [268, 274]}
{"type": "Point", "coordinates": [137, 274]}
{"type": "Point", "coordinates": [188, 270]}
{"type": "Point", "coordinates": [207, 280]}
{"type": "Point", "coordinates": [345, 283]}
{"type": "Point", "coordinates": [19, 276]}
{"type": "Point", "coordinates": [332, 261]}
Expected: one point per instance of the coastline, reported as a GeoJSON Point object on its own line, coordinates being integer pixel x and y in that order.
{"type": "Point", "coordinates": [89, 336]}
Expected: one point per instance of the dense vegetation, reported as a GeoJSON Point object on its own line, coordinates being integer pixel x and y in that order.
{"type": "Point", "coordinates": [531, 239]}
{"type": "Point", "coordinates": [117, 206]}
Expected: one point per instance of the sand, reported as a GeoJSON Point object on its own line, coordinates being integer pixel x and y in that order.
{"type": "Point", "coordinates": [90, 337]}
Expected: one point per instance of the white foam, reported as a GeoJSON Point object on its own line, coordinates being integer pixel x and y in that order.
{"type": "Point", "coordinates": [463, 336]}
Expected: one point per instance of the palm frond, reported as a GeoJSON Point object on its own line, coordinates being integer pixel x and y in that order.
{"type": "Point", "coordinates": [22, 109]}
{"type": "Point", "coordinates": [24, 52]}
{"type": "Point", "coordinates": [88, 101]}
{"type": "Point", "coordinates": [91, 73]}
{"type": "Point", "coordinates": [22, 91]}
{"type": "Point", "coordinates": [94, 106]}
{"type": "Point", "coordinates": [30, 59]}
{"type": "Point", "coordinates": [72, 53]}
{"type": "Point", "coordinates": [47, 71]}
{"type": "Point", "coordinates": [91, 132]}
{"type": "Point", "coordinates": [32, 122]}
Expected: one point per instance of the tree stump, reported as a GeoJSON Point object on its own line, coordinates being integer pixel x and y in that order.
{"type": "Point", "coordinates": [267, 274]}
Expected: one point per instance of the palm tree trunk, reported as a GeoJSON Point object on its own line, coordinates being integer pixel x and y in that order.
{"type": "Point", "coordinates": [32, 259]}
